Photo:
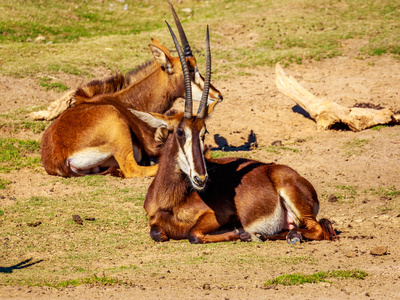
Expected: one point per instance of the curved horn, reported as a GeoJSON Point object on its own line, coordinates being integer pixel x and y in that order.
{"type": "Point", "coordinates": [188, 85]}
{"type": "Point", "coordinates": [203, 103]}
{"type": "Point", "coordinates": [182, 35]}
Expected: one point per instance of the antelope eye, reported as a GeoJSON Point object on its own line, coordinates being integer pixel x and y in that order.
{"type": "Point", "coordinates": [180, 132]}
{"type": "Point", "coordinates": [204, 135]}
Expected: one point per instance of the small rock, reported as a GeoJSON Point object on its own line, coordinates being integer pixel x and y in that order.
{"type": "Point", "coordinates": [350, 254]}
{"type": "Point", "coordinates": [206, 286]}
{"type": "Point", "coordinates": [332, 198]}
{"type": "Point", "coordinates": [277, 143]}
{"type": "Point", "coordinates": [186, 10]}
{"type": "Point", "coordinates": [40, 39]}
{"type": "Point", "coordinates": [77, 219]}
{"type": "Point", "coordinates": [379, 251]}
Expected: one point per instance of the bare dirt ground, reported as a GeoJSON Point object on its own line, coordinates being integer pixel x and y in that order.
{"type": "Point", "coordinates": [332, 160]}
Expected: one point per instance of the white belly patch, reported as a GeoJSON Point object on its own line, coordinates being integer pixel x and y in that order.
{"type": "Point", "coordinates": [89, 158]}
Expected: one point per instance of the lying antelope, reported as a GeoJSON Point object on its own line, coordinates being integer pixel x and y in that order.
{"type": "Point", "coordinates": [99, 135]}
{"type": "Point", "coordinates": [195, 198]}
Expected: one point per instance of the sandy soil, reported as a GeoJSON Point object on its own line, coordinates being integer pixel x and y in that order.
{"type": "Point", "coordinates": [253, 106]}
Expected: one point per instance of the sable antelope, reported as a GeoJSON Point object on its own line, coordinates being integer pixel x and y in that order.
{"type": "Point", "coordinates": [203, 199]}
{"type": "Point", "coordinates": [99, 135]}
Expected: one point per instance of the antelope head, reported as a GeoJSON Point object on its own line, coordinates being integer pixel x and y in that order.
{"type": "Point", "coordinates": [185, 143]}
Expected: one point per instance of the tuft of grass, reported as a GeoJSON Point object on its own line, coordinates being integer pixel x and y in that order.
{"type": "Point", "coordinates": [355, 147]}
{"type": "Point", "coordinates": [94, 280]}
{"type": "Point", "coordinates": [277, 149]}
{"type": "Point", "coordinates": [16, 154]}
{"type": "Point", "coordinates": [388, 192]}
{"type": "Point", "coordinates": [379, 127]}
{"type": "Point", "coordinates": [299, 278]}
{"type": "Point", "coordinates": [349, 192]}
{"type": "Point", "coordinates": [35, 126]}
{"type": "Point", "coordinates": [222, 154]}
{"type": "Point", "coordinates": [16, 120]}
{"type": "Point", "coordinates": [49, 85]}
{"type": "Point", "coordinates": [4, 183]}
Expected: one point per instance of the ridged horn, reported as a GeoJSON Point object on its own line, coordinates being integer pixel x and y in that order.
{"type": "Point", "coordinates": [188, 85]}
{"type": "Point", "coordinates": [185, 44]}
{"type": "Point", "coordinates": [207, 79]}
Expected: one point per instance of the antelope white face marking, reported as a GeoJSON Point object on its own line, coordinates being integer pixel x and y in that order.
{"type": "Point", "coordinates": [185, 155]}
{"type": "Point", "coordinates": [186, 158]}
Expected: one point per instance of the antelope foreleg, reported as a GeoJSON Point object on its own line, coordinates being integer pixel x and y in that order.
{"type": "Point", "coordinates": [202, 231]}
{"type": "Point", "coordinates": [130, 168]}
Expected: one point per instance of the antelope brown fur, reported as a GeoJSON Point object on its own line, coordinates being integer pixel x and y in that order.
{"type": "Point", "coordinates": [99, 134]}
{"type": "Point", "coordinates": [204, 199]}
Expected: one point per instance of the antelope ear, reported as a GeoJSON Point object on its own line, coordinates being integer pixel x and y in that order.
{"type": "Point", "coordinates": [211, 107]}
{"type": "Point", "coordinates": [161, 56]}
{"type": "Point", "coordinates": [155, 42]}
{"type": "Point", "coordinates": [152, 119]}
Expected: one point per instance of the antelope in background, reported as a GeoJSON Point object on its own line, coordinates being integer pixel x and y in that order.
{"type": "Point", "coordinates": [204, 199]}
{"type": "Point", "coordinates": [99, 135]}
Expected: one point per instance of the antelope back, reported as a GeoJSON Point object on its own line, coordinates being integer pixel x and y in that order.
{"type": "Point", "coordinates": [163, 78]}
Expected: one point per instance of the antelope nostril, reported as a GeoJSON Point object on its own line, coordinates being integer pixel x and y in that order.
{"type": "Point", "coordinates": [200, 180]}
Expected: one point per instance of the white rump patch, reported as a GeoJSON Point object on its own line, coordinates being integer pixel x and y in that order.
{"type": "Point", "coordinates": [268, 225]}
{"type": "Point", "coordinates": [292, 212]}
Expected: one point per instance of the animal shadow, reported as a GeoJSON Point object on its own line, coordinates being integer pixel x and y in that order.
{"type": "Point", "coordinates": [223, 145]}
{"type": "Point", "coordinates": [22, 265]}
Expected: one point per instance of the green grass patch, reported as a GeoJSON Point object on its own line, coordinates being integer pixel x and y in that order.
{"type": "Point", "coordinates": [16, 154]}
{"type": "Point", "coordinates": [118, 33]}
{"type": "Point", "coordinates": [94, 280]}
{"type": "Point", "coordinates": [222, 154]}
{"type": "Point", "coordinates": [355, 147]}
{"type": "Point", "coordinates": [278, 149]}
{"type": "Point", "coordinates": [4, 183]}
{"type": "Point", "coordinates": [347, 193]}
{"type": "Point", "coordinates": [299, 278]}
{"type": "Point", "coordinates": [49, 85]}
{"type": "Point", "coordinates": [34, 126]}
{"type": "Point", "coordinates": [17, 120]}
{"type": "Point", "coordinates": [388, 192]}
{"type": "Point", "coordinates": [379, 127]}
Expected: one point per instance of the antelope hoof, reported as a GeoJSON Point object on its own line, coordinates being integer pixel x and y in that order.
{"type": "Point", "coordinates": [294, 237]}
{"type": "Point", "coordinates": [245, 237]}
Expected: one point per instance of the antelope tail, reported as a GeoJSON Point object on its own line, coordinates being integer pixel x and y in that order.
{"type": "Point", "coordinates": [329, 232]}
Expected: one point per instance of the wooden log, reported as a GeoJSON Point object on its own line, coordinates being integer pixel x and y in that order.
{"type": "Point", "coordinates": [327, 113]}
{"type": "Point", "coordinates": [55, 108]}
